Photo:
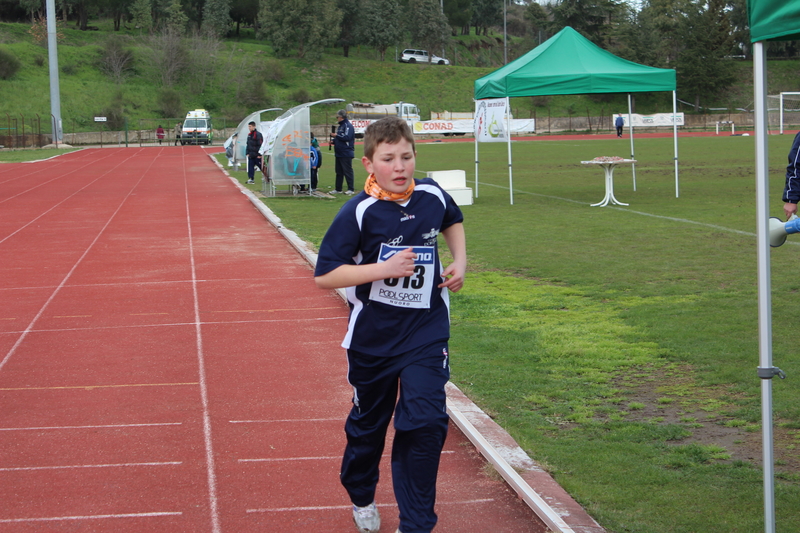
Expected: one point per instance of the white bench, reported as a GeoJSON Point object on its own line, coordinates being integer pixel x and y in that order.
{"type": "Point", "coordinates": [455, 183]}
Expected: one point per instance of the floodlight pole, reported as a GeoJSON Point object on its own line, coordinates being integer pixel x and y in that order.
{"type": "Point", "coordinates": [52, 53]}
{"type": "Point", "coordinates": [765, 369]}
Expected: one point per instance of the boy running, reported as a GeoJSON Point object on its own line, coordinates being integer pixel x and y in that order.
{"type": "Point", "coordinates": [382, 246]}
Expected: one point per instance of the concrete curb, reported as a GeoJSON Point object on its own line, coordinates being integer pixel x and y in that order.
{"type": "Point", "coordinates": [551, 503]}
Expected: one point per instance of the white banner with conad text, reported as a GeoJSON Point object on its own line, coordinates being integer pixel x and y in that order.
{"type": "Point", "coordinates": [461, 126]}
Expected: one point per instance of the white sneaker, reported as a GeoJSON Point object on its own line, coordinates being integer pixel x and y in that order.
{"type": "Point", "coordinates": [336, 192]}
{"type": "Point", "coordinates": [349, 193]}
{"type": "Point", "coordinates": [367, 519]}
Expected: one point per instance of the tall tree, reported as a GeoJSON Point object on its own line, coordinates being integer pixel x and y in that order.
{"type": "Point", "coordinates": [216, 17]}
{"type": "Point", "coordinates": [299, 23]}
{"type": "Point", "coordinates": [379, 25]}
{"type": "Point", "coordinates": [176, 20]}
{"type": "Point", "coordinates": [704, 69]}
{"type": "Point", "coordinates": [592, 18]}
{"type": "Point", "coordinates": [428, 25]}
{"type": "Point", "coordinates": [486, 13]}
{"type": "Point", "coordinates": [142, 15]}
{"type": "Point", "coordinates": [459, 15]}
{"type": "Point", "coordinates": [351, 15]}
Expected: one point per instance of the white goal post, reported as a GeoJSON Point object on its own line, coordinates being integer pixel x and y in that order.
{"type": "Point", "coordinates": [785, 103]}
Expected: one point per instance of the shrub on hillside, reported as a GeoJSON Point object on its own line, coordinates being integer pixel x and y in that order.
{"type": "Point", "coordinates": [301, 95]}
{"type": "Point", "coordinates": [169, 101]}
{"type": "Point", "coordinates": [115, 112]}
{"type": "Point", "coordinates": [9, 64]}
{"type": "Point", "coordinates": [115, 60]}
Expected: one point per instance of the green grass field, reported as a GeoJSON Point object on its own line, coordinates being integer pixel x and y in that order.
{"type": "Point", "coordinates": [618, 345]}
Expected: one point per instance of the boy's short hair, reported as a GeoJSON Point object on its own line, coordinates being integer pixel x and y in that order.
{"type": "Point", "coordinates": [251, 123]}
{"type": "Point", "coordinates": [386, 130]}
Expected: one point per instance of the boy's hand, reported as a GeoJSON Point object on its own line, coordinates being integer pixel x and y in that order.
{"type": "Point", "coordinates": [401, 264]}
{"type": "Point", "coordinates": [456, 277]}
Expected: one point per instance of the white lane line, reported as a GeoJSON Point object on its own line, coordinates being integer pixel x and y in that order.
{"type": "Point", "coordinates": [342, 507]}
{"type": "Point", "coordinates": [174, 324]}
{"type": "Point", "coordinates": [107, 426]}
{"type": "Point", "coordinates": [70, 467]}
{"type": "Point", "coordinates": [210, 470]}
{"type": "Point", "coordinates": [320, 458]}
{"type": "Point", "coordinates": [55, 205]}
{"type": "Point", "coordinates": [290, 420]}
{"type": "Point", "coordinates": [72, 270]}
{"type": "Point", "coordinates": [87, 517]}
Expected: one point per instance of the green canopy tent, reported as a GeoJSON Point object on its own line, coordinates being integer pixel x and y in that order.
{"type": "Point", "coordinates": [568, 63]}
{"type": "Point", "coordinates": [770, 20]}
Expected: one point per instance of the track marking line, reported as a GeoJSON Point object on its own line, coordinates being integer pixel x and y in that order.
{"type": "Point", "coordinates": [346, 507]}
{"type": "Point", "coordinates": [88, 517]}
{"type": "Point", "coordinates": [275, 310]}
{"type": "Point", "coordinates": [320, 458]}
{"type": "Point", "coordinates": [69, 467]}
{"type": "Point", "coordinates": [61, 285]}
{"type": "Point", "coordinates": [201, 365]}
{"type": "Point", "coordinates": [62, 201]}
{"type": "Point", "coordinates": [102, 426]}
{"type": "Point", "coordinates": [147, 314]}
{"type": "Point", "coordinates": [174, 324]}
{"type": "Point", "coordinates": [72, 316]}
{"type": "Point", "coordinates": [92, 387]}
{"type": "Point", "coordinates": [292, 420]}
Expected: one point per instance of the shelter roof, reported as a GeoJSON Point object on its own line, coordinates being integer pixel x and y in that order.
{"type": "Point", "coordinates": [568, 63]}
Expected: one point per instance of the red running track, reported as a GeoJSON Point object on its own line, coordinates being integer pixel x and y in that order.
{"type": "Point", "coordinates": [167, 363]}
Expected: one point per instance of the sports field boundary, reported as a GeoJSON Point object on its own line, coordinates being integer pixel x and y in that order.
{"type": "Point", "coordinates": [551, 503]}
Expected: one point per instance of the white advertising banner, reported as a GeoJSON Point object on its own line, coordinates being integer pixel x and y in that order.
{"type": "Point", "coordinates": [490, 120]}
{"type": "Point", "coordinates": [650, 121]}
{"type": "Point", "coordinates": [429, 127]}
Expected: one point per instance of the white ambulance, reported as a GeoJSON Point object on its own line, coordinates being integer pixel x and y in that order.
{"type": "Point", "coordinates": [197, 128]}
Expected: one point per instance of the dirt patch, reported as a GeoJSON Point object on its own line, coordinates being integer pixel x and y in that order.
{"type": "Point", "coordinates": [656, 396]}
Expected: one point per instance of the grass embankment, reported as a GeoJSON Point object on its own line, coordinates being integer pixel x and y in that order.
{"type": "Point", "coordinates": [619, 345]}
{"type": "Point", "coordinates": [243, 75]}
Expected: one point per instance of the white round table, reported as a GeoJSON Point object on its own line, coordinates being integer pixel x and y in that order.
{"type": "Point", "coordinates": [608, 168]}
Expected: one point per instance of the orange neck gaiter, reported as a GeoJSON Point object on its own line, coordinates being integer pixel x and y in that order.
{"type": "Point", "coordinates": [372, 188]}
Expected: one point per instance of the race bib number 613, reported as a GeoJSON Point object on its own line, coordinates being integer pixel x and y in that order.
{"type": "Point", "coordinates": [413, 291]}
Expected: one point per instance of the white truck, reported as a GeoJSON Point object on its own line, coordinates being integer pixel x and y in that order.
{"type": "Point", "coordinates": [362, 114]}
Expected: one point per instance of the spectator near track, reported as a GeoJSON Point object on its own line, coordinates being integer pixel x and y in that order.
{"type": "Point", "coordinates": [177, 130]}
{"type": "Point", "coordinates": [382, 246]}
{"type": "Point", "coordinates": [791, 192]}
{"type": "Point", "coordinates": [254, 159]}
{"type": "Point", "coordinates": [619, 123]}
{"type": "Point", "coordinates": [314, 161]}
{"type": "Point", "coordinates": [344, 141]}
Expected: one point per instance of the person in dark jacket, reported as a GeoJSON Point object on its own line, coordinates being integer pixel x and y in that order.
{"type": "Point", "coordinates": [254, 142]}
{"type": "Point", "coordinates": [619, 123]}
{"type": "Point", "coordinates": [791, 192]}
{"type": "Point", "coordinates": [344, 141]}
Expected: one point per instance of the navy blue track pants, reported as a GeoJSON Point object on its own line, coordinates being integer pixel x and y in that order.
{"type": "Point", "coordinates": [420, 422]}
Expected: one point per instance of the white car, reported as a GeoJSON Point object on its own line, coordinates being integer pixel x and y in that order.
{"type": "Point", "coordinates": [421, 56]}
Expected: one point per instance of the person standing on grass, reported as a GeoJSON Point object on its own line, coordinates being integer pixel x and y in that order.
{"type": "Point", "coordinates": [791, 191]}
{"type": "Point", "coordinates": [619, 123]}
{"type": "Point", "coordinates": [314, 161]}
{"type": "Point", "coordinates": [254, 159]}
{"type": "Point", "coordinates": [382, 247]}
{"type": "Point", "coordinates": [344, 141]}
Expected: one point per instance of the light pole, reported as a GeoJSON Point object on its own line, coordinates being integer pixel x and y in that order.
{"type": "Point", "coordinates": [52, 53]}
